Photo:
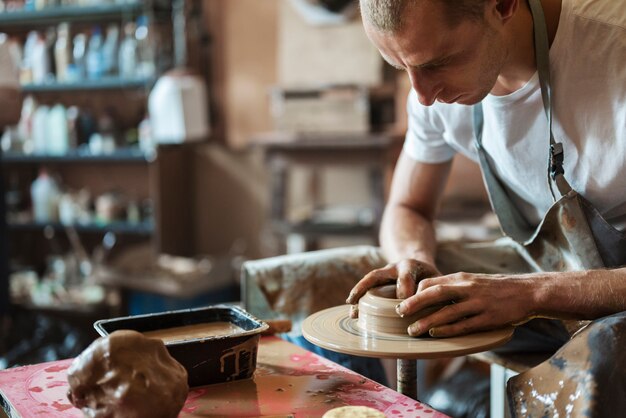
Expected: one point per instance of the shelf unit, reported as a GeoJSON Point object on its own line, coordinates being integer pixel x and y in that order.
{"type": "Point", "coordinates": [111, 83]}
{"type": "Point", "coordinates": [52, 15]}
{"type": "Point", "coordinates": [121, 155]}
{"type": "Point", "coordinates": [160, 175]}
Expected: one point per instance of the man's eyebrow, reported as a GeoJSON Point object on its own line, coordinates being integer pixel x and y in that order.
{"type": "Point", "coordinates": [429, 64]}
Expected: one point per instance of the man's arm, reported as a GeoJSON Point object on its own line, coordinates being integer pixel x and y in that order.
{"type": "Point", "coordinates": [407, 234]}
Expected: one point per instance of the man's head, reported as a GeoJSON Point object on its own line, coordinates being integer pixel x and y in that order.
{"type": "Point", "coordinates": [387, 16]}
{"type": "Point", "coordinates": [453, 51]}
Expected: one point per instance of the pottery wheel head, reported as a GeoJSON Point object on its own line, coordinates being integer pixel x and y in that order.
{"type": "Point", "coordinates": [377, 312]}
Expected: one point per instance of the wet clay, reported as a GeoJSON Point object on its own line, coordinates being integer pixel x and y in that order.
{"type": "Point", "coordinates": [583, 378]}
{"type": "Point", "coordinates": [127, 375]}
{"type": "Point", "coordinates": [192, 332]}
{"type": "Point", "coordinates": [377, 312]}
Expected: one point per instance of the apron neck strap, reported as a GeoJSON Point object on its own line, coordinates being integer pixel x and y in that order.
{"type": "Point", "coordinates": [542, 57]}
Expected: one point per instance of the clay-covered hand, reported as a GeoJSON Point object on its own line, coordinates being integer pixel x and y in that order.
{"type": "Point", "coordinates": [405, 273]}
{"type": "Point", "coordinates": [475, 302]}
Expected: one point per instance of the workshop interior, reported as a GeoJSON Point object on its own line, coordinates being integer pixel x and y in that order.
{"type": "Point", "coordinates": [191, 190]}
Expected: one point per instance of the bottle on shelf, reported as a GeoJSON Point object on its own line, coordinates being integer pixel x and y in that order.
{"type": "Point", "coordinates": [51, 39]}
{"type": "Point", "coordinates": [79, 53]}
{"type": "Point", "coordinates": [26, 67]}
{"type": "Point", "coordinates": [110, 51]}
{"type": "Point", "coordinates": [57, 134]}
{"type": "Point", "coordinates": [128, 52]}
{"type": "Point", "coordinates": [40, 64]}
{"type": "Point", "coordinates": [40, 126]}
{"type": "Point", "coordinates": [45, 197]}
{"type": "Point", "coordinates": [62, 52]}
{"type": "Point", "coordinates": [146, 67]}
{"type": "Point", "coordinates": [95, 58]}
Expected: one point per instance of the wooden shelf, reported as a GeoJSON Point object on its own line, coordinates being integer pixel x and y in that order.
{"type": "Point", "coordinates": [143, 228]}
{"type": "Point", "coordinates": [122, 155]}
{"type": "Point", "coordinates": [54, 15]}
{"type": "Point", "coordinates": [106, 83]}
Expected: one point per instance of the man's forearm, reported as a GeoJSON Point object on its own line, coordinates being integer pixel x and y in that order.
{"type": "Point", "coordinates": [581, 294]}
{"type": "Point", "coordinates": [406, 234]}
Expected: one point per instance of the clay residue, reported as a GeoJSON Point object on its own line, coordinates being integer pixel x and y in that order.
{"type": "Point", "coordinates": [127, 375]}
{"type": "Point", "coordinates": [584, 378]}
{"type": "Point", "coordinates": [244, 358]}
{"type": "Point", "coordinates": [192, 332]}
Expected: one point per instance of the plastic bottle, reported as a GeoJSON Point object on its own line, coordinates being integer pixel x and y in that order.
{"type": "Point", "coordinates": [146, 66]}
{"type": "Point", "coordinates": [45, 194]}
{"type": "Point", "coordinates": [58, 136]}
{"type": "Point", "coordinates": [62, 52]}
{"type": "Point", "coordinates": [95, 58]}
{"type": "Point", "coordinates": [128, 52]}
{"type": "Point", "coordinates": [26, 68]}
{"type": "Point", "coordinates": [39, 60]}
{"type": "Point", "coordinates": [110, 51]}
{"type": "Point", "coordinates": [40, 126]}
{"type": "Point", "coordinates": [79, 54]}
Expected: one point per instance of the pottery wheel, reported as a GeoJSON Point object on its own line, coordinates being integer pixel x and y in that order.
{"type": "Point", "coordinates": [334, 330]}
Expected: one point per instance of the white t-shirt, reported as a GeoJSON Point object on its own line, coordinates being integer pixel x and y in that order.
{"type": "Point", "coordinates": [588, 70]}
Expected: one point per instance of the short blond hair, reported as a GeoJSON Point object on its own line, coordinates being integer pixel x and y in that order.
{"type": "Point", "coordinates": [387, 15]}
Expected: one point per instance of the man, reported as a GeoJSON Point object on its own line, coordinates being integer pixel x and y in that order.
{"type": "Point", "coordinates": [552, 148]}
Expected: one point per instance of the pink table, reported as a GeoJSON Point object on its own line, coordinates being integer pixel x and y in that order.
{"type": "Point", "coordinates": [289, 382]}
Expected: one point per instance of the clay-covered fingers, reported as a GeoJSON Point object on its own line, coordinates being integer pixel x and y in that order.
{"type": "Point", "coordinates": [464, 326]}
{"type": "Point", "coordinates": [378, 277]}
{"type": "Point", "coordinates": [433, 295]}
{"type": "Point", "coordinates": [448, 314]}
{"type": "Point", "coordinates": [410, 272]}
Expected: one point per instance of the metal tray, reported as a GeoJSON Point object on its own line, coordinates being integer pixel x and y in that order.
{"type": "Point", "coordinates": [208, 360]}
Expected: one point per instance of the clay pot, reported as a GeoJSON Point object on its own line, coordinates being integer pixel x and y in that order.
{"type": "Point", "coordinates": [377, 312]}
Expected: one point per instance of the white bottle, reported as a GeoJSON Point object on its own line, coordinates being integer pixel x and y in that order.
{"type": "Point", "coordinates": [40, 61]}
{"type": "Point", "coordinates": [45, 195]}
{"type": "Point", "coordinates": [146, 66]}
{"type": "Point", "coordinates": [110, 51]}
{"type": "Point", "coordinates": [39, 130]}
{"type": "Point", "coordinates": [95, 58]}
{"type": "Point", "coordinates": [58, 142]}
{"type": "Point", "coordinates": [62, 52]}
{"type": "Point", "coordinates": [128, 52]}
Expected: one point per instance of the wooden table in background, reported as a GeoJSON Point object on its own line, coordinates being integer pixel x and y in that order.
{"type": "Point", "coordinates": [375, 152]}
{"type": "Point", "coordinates": [289, 382]}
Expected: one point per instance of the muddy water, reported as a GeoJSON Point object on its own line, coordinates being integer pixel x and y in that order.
{"type": "Point", "coordinates": [191, 332]}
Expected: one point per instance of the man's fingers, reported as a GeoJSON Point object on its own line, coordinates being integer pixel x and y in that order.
{"type": "Point", "coordinates": [407, 279]}
{"type": "Point", "coordinates": [446, 315]}
{"type": "Point", "coordinates": [424, 298]}
{"type": "Point", "coordinates": [464, 326]}
{"type": "Point", "coordinates": [354, 311]}
{"type": "Point", "coordinates": [385, 275]}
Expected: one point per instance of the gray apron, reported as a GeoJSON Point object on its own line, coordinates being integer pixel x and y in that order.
{"type": "Point", "coordinates": [572, 235]}
{"type": "Point", "coordinates": [579, 379]}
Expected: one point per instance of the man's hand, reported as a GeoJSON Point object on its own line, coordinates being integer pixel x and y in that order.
{"type": "Point", "coordinates": [475, 302]}
{"type": "Point", "coordinates": [406, 273]}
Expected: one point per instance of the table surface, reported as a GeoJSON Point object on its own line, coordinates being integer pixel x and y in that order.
{"type": "Point", "coordinates": [289, 382]}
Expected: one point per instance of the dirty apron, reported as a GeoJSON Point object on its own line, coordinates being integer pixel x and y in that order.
{"type": "Point", "coordinates": [572, 236]}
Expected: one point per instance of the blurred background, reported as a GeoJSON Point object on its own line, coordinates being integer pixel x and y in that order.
{"type": "Point", "coordinates": [162, 143]}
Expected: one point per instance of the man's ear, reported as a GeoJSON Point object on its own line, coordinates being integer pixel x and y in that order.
{"type": "Point", "coordinates": [506, 9]}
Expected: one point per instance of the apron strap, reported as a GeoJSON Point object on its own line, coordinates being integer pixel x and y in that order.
{"type": "Point", "coordinates": [542, 56]}
{"type": "Point", "coordinates": [512, 221]}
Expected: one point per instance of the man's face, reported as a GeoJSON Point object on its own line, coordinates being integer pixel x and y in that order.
{"type": "Point", "coordinates": [446, 63]}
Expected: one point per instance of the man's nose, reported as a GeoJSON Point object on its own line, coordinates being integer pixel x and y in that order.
{"type": "Point", "coordinates": [426, 88]}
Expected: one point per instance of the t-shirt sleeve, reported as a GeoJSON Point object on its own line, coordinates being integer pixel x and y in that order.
{"type": "Point", "coordinates": [8, 69]}
{"type": "Point", "coordinates": [425, 135]}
